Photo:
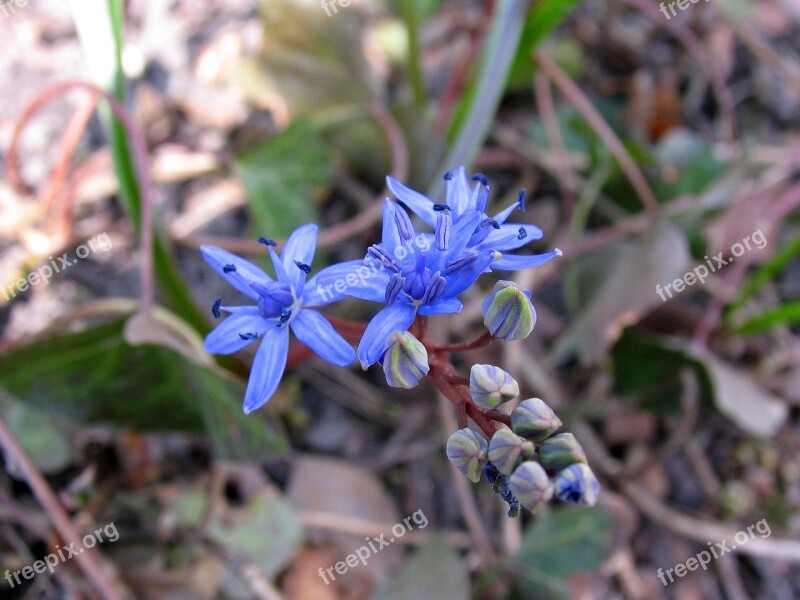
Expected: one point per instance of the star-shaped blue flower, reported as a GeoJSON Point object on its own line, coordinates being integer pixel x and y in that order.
{"type": "Point", "coordinates": [281, 304]}
{"type": "Point", "coordinates": [413, 273]}
{"type": "Point", "coordinates": [489, 233]}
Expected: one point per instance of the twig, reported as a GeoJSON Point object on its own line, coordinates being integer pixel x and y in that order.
{"type": "Point", "coordinates": [88, 561]}
{"type": "Point", "coordinates": [595, 119]}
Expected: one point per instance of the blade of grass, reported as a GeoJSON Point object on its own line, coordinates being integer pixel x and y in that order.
{"type": "Point", "coordinates": [501, 46]}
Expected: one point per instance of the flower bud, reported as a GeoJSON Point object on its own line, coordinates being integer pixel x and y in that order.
{"type": "Point", "coordinates": [577, 484]}
{"type": "Point", "coordinates": [508, 312]}
{"type": "Point", "coordinates": [561, 451]}
{"type": "Point", "coordinates": [405, 360]}
{"type": "Point", "coordinates": [530, 485]}
{"type": "Point", "coordinates": [506, 448]}
{"type": "Point", "coordinates": [490, 386]}
{"type": "Point", "coordinates": [467, 451]}
{"type": "Point", "coordinates": [534, 419]}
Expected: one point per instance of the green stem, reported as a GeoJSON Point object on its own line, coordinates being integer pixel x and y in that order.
{"type": "Point", "coordinates": [411, 19]}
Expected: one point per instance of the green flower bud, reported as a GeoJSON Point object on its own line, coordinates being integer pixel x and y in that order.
{"type": "Point", "coordinates": [506, 448]}
{"type": "Point", "coordinates": [405, 360]}
{"type": "Point", "coordinates": [490, 386]}
{"type": "Point", "coordinates": [467, 451]}
{"type": "Point", "coordinates": [530, 485]}
{"type": "Point", "coordinates": [560, 451]}
{"type": "Point", "coordinates": [508, 312]}
{"type": "Point", "coordinates": [534, 419]}
{"type": "Point", "coordinates": [577, 484]}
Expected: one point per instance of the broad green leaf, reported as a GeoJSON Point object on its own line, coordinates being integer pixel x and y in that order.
{"type": "Point", "coordinates": [39, 433]}
{"type": "Point", "coordinates": [94, 376]}
{"type": "Point", "coordinates": [282, 177]}
{"type": "Point", "coordinates": [309, 61]}
{"type": "Point", "coordinates": [435, 571]}
{"type": "Point", "coordinates": [785, 314]}
{"type": "Point", "coordinates": [559, 544]}
{"type": "Point", "coordinates": [265, 532]}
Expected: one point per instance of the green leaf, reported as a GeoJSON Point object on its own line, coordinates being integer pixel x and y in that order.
{"type": "Point", "coordinates": [282, 176]}
{"type": "Point", "coordinates": [266, 532]}
{"type": "Point", "coordinates": [561, 543]}
{"type": "Point", "coordinates": [94, 376]}
{"type": "Point", "coordinates": [309, 61]}
{"type": "Point", "coordinates": [435, 571]}
{"type": "Point", "coordinates": [545, 17]}
{"type": "Point", "coordinates": [785, 314]}
{"type": "Point", "coordinates": [40, 435]}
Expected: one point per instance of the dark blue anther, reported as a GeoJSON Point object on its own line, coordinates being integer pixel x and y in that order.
{"type": "Point", "coordinates": [521, 200]}
{"type": "Point", "coordinates": [522, 234]}
{"type": "Point", "coordinates": [228, 268]}
{"type": "Point", "coordinates": [440, 207]}
{"type": "Point", "coordinates": [448, 176]}
{"type": "Point", "coordinates": [490, 222]}
{"type": "Point", "coordinates": [303, 267]}
{"type": "Point", "coordinates": [481, 178]}
{"type": "Point", "coordinates": [248, 336]}
{"type": "Point", "coordinates": [215, 307]}
{"type": "Point", "coordinates": [267, 242]}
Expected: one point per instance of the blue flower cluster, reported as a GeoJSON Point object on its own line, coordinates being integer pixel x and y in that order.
{"type": "Point", "coordinates": [410, 273]}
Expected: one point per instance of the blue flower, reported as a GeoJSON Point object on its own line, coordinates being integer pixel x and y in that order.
{"type": "Point", "coordinates": [489, 233]}
{"type": "Point", "coordinates": [280, 305]}
{"type": "Point", "coordinates": [417, 273]}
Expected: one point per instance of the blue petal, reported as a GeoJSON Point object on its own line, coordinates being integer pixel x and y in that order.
{"type": "Point", "coordinates": [459, 191]}
{"type": "Point", "coordinates": [397, 317]}
{"type": "Point", "coordinates": [299, 247]}
{"type": "Point", "coordinates": [317, 333]}
{"type": "Point", "coordinates": [245, 273]}
{"type": "Point", "coordinates": [267, 369]}
{"type": "Point", "coordinates": [368, 281]}
{"type": "Point", "coordinates": [442, 307]}
{"type": "Point", "coordinates": [462, 279]}
{"type": "Point", "coordinates": [390, 236]}
{"type": "Point", "coordinates": [225, 338]}
{"type": "Point", "coordinates": [419, 204]}
{"type": "Point", "coordinates": [507, 237]}
{"type": "Point", "coordinates": [506, 212]}
{"type": "Point", "coordinates": [514, 262]}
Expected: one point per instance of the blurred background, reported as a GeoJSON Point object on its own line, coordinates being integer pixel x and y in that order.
{"type": "Point", "coordinates": [659, 145]}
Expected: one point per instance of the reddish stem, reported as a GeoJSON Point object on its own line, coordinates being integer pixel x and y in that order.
{"type": "Point", "coordinates": [482, 340]}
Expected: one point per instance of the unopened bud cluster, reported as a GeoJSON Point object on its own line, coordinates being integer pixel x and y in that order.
{"type": "Point", "coordinates": [528, 463]}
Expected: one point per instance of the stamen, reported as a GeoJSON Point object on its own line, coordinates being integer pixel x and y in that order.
{"type": "Point", "coordinates": [248, 336]}
{"type": "Point", "coordinates": [434, 289]}
{"type": "Point", "coordinates": [396, 284]}
{"type": "Point", "coordinates": [522, 234]}
{"type": "Point", "coordinates": [461, 263]}
{"type": "Point", "coordinates": [521, 200]}
{"type": "Point", "coordinates": [285, 316]}
{"type": "Point", "coordinates": [481, 178]}
{"type": "Point", "coordinates": [229, 268]}
{"type": "Point", "coordinates": [267, 242]}
{"type": "Point", "coordinates": [215, 307]}
{"type": "Point", "coordinates": [488, 222]}
{"type": "Point", "coordinates": [303, 267]}
{"type": "Point", "coordinates": [448, 176]}
{"type": "Point", "coordinates": [440, 207]}
{"type": "Point", "coordinates": [483, 199]}
{"type": "Point", "coordinates": [443, 225]}
{"type": "Point", "coordinates": [404, 226]}
{"type": "Point", "coordinates": [383, 257]}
